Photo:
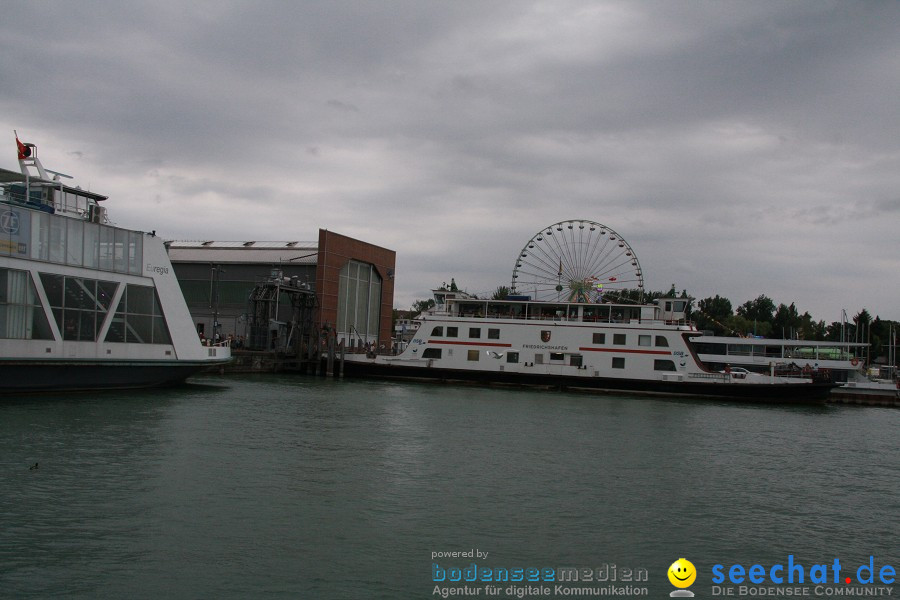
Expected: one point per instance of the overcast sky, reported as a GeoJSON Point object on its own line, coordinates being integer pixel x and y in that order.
{"type": "Point", "coordinates": [741, 148]}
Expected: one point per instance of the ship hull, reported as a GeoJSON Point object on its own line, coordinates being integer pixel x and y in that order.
{"type": "Point", "coordinates": [775, 392]}
{"type": "Point", "coordinates": [49, 376]}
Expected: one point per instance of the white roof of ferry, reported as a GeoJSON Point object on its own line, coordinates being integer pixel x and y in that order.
{"type": "Point", "coordinates": [253, 251]}
{"type": "Point", "coordinates": [758, 341]}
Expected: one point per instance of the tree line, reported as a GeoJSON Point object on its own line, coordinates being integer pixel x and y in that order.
{"type": "Point", "coordinates": [762, 318]}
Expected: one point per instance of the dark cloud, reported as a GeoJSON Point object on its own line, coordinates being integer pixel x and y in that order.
{"type": "Point", "coordinates": [741, 148]}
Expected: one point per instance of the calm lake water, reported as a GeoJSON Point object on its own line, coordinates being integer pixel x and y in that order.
{"type": "Point", "coordinates": [301, 487]}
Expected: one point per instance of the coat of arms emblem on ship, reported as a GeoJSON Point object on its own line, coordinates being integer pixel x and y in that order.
{"type": "Point", "coordinates": [545, 335]}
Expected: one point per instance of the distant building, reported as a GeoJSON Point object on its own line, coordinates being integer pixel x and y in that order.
{"type": "Point", "coordinates": [405, 328]}
{"type": "Point", "coordinates": [353, 282]}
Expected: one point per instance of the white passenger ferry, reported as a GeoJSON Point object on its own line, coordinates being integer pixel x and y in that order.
{"type": "Point", "coordinates": [577, 345]}
{"type": "Point", "coordinates": [84, 304]}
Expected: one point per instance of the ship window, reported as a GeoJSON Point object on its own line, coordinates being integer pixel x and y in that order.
{"type": "Point", "coordinates": [473, 355]}
{"type": "Point", "coordinates": [91, 244]}
{"type": "Point", "coordinates": [538, 359]}
{"type": "Point", "coordinates": [135, 252]}
{"type": "Point", "coordinates": [618, 362]}
{"type": "Point", "coordinates": [139, 318]}
{"type": "Point", "coordinates": [40, 235]}
{"type": "Point", "coordinates": [53, 288]}
{"type": "Point", "coordinates": [121, 244]}
{"type": "Point", "coordinates": [21, 314]}
{"type": "Point", "coordinates": [471, 310]}
{"type": "Point", "coordinates": [662, 342]}
{"type": "Point", "coordinates": [79, 305]}
{"type": "Point", "coordinates": [575, 360]}
{"type": "Point", "coordinates": [708, 348]}
{"type": "Point", "coordinates": [74, 245]}
{"type": "Point", "coordinates": [512, 357]}
{"type": "Point", "coordinates": [619, 339]}
{"type": "Point", "coordinates": [75, 242]}
{"type": "Point", "coordinates": [663, 365]}
{"type": "Point", "coordinates": [105, 292]}
{"type": "Point", "coordinates": [107, 247]}
{"type": "Point", "coordinates": [80, 293]}
{"type": "Point", "coordinates": [474, 332]}
{"type": "Point", "coordinates": [431, 353]}
{"type": "Point", "coordinates": [740, 349]}
{"type": "Point", "coordinates": [139, 329]}
{"type": "Point", "coordinates": [140, 300]}
{"type": "Point", "coordinates": [493, 334]}
{"type": "Point", "coordinates": [599, 338]}
{"type": "Point", "coordinates": [557, 356]}
{"type": "Point", "coordinates": [643, 340]}
{"type": "Point", "coordinates": [452, 332]}
{"type": "Point", "coordinates": [78, 316]}
{"type": "Point", "coordinates": [438, 331]}
{"type": "Point", "coordinates": [58, 240]}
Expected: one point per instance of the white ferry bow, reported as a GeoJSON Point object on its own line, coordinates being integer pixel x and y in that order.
{"type": "Point", "coordinates": [85, 304]}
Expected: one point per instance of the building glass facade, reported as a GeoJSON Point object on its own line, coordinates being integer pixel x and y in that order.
{"type": "Point", "coordinates": [359, 303]}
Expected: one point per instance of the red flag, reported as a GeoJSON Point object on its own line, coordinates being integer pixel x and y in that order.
{"type": "Point", "coordinates": [24, 151]}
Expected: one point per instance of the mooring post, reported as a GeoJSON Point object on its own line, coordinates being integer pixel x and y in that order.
{"type": "Point", "coordinates": [329, 370]}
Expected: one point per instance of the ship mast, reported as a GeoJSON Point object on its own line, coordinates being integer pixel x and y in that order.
{"type": "Point", "coordinates": [28, 158]}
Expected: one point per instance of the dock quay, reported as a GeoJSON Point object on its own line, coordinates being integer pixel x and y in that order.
{"type": "Point", "coordinates": [258, 361]}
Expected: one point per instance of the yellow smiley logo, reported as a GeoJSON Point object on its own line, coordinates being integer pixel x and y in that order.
{"type": "Point", "coordinates": [682, 573]}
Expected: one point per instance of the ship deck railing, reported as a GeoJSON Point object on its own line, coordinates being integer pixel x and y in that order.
{"type": "Point", "coordinates": [560, 318]}
{"type": "Point", "coordinates": [723, 377]}
{"type": "Point", "coordinates": [787, 355]}
{"type": "Point", "coordinates": [8, 196]}
{"type": "Point", "coordinates": [68, 204]}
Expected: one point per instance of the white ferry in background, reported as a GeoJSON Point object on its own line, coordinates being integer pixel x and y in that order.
{"type": "Point", "coordinates": [84, 304]}
{"type": "Point", "coordinates": [644, 348]}
{"type": "Point", "coordinates": [844, 361]}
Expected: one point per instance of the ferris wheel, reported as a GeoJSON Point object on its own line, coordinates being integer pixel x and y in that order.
{"type": "Point", "coordinates": [576, 261]}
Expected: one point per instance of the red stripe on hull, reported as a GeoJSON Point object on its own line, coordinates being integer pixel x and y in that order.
{"type": "Point", "coordinates": [492, 344]}
{"type": "Point", "coordinates": [627, 351]}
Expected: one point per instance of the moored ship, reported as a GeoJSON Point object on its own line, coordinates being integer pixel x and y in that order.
{"type": "Point", "coordinates": [575, 318]}
{"type": "Point", "coordinates": [645, 348]}
{"type": "Point", "coordinates": [85, 304]}
{"type": "Point", "coordinates": [845, 363]}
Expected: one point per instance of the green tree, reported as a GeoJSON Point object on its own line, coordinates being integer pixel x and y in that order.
{"type": "Point", "coordinates": [786, 321]}
{"type": "Point", "coordinates": [420, 306]}
{"type": "Point", "coordinates": [634, 295]}
{"type": "Point", "coordinates": [738, 325]}
{"type": "Point", "coordinates": [712, 313]}
{"type": "Point", "coordinates": [501, 293]}
{"type": "Point", "coordinates": [861, 320]}
{"type": "Point", "coordinates": [760, 310]}
{"type": "Point", "coordinates": [810, 329]}
{"type": "Point", "coordinates": [833, 332]}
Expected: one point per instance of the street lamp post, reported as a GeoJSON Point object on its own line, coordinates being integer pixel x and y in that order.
{"type": "Point", "coordinates": [215, 272]}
